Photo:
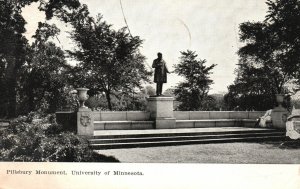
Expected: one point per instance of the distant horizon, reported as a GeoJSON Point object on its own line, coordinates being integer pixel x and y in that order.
{"type": "Point", "coordinates": [209, 27]}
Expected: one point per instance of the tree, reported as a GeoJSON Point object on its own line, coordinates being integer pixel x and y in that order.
{"type": "Point", "coordinates": [218, 104]}
{"type": "Point", "coordinates": [193, 92]}
{"type": "Point", "coordinates": [283, 20]}
{"type": "Point", "coordinates": [12, 53]}
{"type": "Point", "coordinates": [270, 57]}
{"type": "Point", "coordinates": [43, 77]}
{"type": "Point", "coordinates": [149, 90]}
{"type": "Point", "coordinates": [169, 92]}
{"type": "Point", "coordinates": [252, 89]}
{"type": "Point", "coordinates": [14, 44]}
{"type": "Point", "coordinates": [109, 60]}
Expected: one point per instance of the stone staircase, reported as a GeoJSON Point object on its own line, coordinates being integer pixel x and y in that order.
{"type": "Point", "coordinates": [114, 139]}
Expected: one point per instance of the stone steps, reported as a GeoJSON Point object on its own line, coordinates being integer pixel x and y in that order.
{"type": "Point", "coordinates": [182, 137]}
{"type": "Point", "coordinates": [178, 138]}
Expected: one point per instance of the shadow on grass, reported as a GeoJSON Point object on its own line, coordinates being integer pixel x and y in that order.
{"type": "Point", "coordinates": [286, 143]}
{"type": "Point", "coordinates": [103, 158]}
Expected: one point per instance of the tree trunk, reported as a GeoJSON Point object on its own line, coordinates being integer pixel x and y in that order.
{"type": "Point", "coordinates": [11, 85]}
{"type": "Point", "coordinates": [30, 93]}
{"type": "Point", "coordinates": [3, 99]}
{"type": "Point", "coordinates": [12, 97]}
{"type": "Point", "coordinates": [31, 100]}
{"type": "Point", "coordinates": [108, 100]}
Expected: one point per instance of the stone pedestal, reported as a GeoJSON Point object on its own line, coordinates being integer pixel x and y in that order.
{"type": "Point", "coordinates": [279, 117]}
{"type": "Point", "coordinates": [85, 122]}
{"type": "Point", "coordinates": [161, 111]}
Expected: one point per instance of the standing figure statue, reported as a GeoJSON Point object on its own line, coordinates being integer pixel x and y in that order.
{"type": "Point", "coordinates": [160, 73]}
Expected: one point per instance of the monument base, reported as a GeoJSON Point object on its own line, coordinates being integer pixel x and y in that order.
{"type": "Point", "coordinates": [160, 107]}
{"type": "Point", "coordinates": [161, 111]}
{"type": "Point", "coordinates": [85, 122]}
{"type": "Point", "coordinates": [165, 123]}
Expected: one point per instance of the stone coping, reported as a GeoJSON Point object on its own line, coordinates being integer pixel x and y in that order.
{"type": "Point", "coordinates": [196, 120]}
{"type": "Point", "coordinates": [123, 121]}
{"type": "Point", "coordinates": [147, 111]}
{"type": "Point", "coordinates": [65, 112]}
{"type": "Point", "coordinates": [161, 98]}
{"type": "Point", "coordinates": [223, 111]}
{"type": "Point", "coordinates": [101, 111]}
{"type": "Point", "coordinates": [212, 120]}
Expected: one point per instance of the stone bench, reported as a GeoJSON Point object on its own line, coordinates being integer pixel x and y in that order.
{"type": "Point", "coordinates": [215, 123]}
{"type": "Point", "coordinates": [140, 125]}
{"type": "Point", "coordinates": [123, 125]}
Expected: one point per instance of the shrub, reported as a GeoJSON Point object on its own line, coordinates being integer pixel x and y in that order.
{"type": "Point", "coordinates": [26, 140]}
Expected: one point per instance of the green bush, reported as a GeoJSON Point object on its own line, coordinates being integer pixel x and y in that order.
{"type": "Point", "coordinates": [44, 141]}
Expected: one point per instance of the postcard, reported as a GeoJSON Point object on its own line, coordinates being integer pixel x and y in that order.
{"type": "Point", "coordinates": [149, 94]}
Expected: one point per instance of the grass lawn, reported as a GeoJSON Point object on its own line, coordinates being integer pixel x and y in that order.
{"type": "Point", "coordinates": [256, 153]}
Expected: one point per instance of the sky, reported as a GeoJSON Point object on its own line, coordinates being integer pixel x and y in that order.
{"type": "Point", "coordinates": [208, 27]}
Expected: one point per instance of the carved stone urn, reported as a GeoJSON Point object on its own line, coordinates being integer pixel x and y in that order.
{"type": "Point", "coordinates": [82, 96]}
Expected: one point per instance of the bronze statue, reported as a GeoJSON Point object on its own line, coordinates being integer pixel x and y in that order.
{"type": "Point", "coordinates": [160, 73]}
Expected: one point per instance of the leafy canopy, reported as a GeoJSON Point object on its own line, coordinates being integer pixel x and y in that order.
{"type": "Point", "coordinates": [270, 57]}
{"type": "Point", "coordinates": [193, 92]}
{"type": "Point", "coordinates": [109, 60]}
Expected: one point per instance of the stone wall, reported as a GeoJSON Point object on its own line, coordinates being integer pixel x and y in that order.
{"type": "Point", "coordinates": [108, 120]}
{"type": "Point", "coordinates": [121, 115]}
{"type": "Point", "coordinates": [207, 115]}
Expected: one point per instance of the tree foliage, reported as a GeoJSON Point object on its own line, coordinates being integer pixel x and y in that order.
{"type": "Point", "coordinates": [43, 79]}
{"type": "Point", "coordinates": [44, 141]}
{"type": "Point", "coordinates": [252, 89]}
{"type": "Point", "coordinates": [12, 54]}
{"type": "Point", "coordinates": [270, 57]}
{"type": "Point", "coordinates": [109, 60]}
{"type": "Point", "coordinates": [193, 92]}
{"type": "Point", "coordinates": [14, 46]}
